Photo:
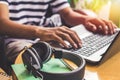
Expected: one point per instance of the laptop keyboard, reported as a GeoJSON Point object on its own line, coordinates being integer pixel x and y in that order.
{"type": "Point", "coordinates": [93, 43]}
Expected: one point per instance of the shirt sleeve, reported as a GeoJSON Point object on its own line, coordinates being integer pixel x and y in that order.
{"type": "Point", "coordinates": [4, 2]}
{"type": "Point", "coordinates": [58, 5]}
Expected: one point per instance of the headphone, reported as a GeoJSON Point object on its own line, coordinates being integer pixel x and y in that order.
{"type": "Point", "coordinates": [39, 53]}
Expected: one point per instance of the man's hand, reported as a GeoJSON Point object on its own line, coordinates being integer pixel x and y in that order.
{"type": "Point", "coordinates": [93, 24]}
{"type": "Point", "coordinates": [100, 26]}
{"type": "Point", "coordinates": [60, 34]}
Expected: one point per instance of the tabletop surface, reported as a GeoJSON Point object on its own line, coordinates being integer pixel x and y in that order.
{"type": "Point", "coordinates": [106, 71]}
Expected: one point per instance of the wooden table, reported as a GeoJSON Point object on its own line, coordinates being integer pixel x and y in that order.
{"type": "Point", "coordinates": [107, 71]}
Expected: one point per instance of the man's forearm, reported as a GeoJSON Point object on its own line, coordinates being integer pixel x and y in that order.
{"type": "Point", "coordinates": [13, 29]}
{"type": "Point", "coordinates": [75, 19]}
{"type": "Point", "coordinates": [72, 18]}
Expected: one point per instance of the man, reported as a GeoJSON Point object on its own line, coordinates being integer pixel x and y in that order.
{"type": "Point", "coordinates": [26, 19]}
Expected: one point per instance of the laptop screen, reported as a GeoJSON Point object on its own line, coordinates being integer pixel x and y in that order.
{"type": "Point", "coordinates": [113, 49]}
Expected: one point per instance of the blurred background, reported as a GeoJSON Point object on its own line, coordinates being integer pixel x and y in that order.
{"type": "Point", "coordinates": [106, 9]}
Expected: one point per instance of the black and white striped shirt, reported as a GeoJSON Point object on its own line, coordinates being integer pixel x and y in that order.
{"type": "Point", "coordinates": [32, 11]}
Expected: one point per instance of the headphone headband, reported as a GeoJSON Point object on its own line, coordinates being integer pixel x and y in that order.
{"type": "Point", "coordinates": [76, 74]}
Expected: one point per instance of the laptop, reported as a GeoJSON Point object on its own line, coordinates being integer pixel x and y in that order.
{"type": "Point", "coordinates": [97, 48]}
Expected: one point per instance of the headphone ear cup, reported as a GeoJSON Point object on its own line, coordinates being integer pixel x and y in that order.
{"type": "Point", "coordinates": [44, 50]}
{"type": "Point", "coordinates": [30, 60]}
